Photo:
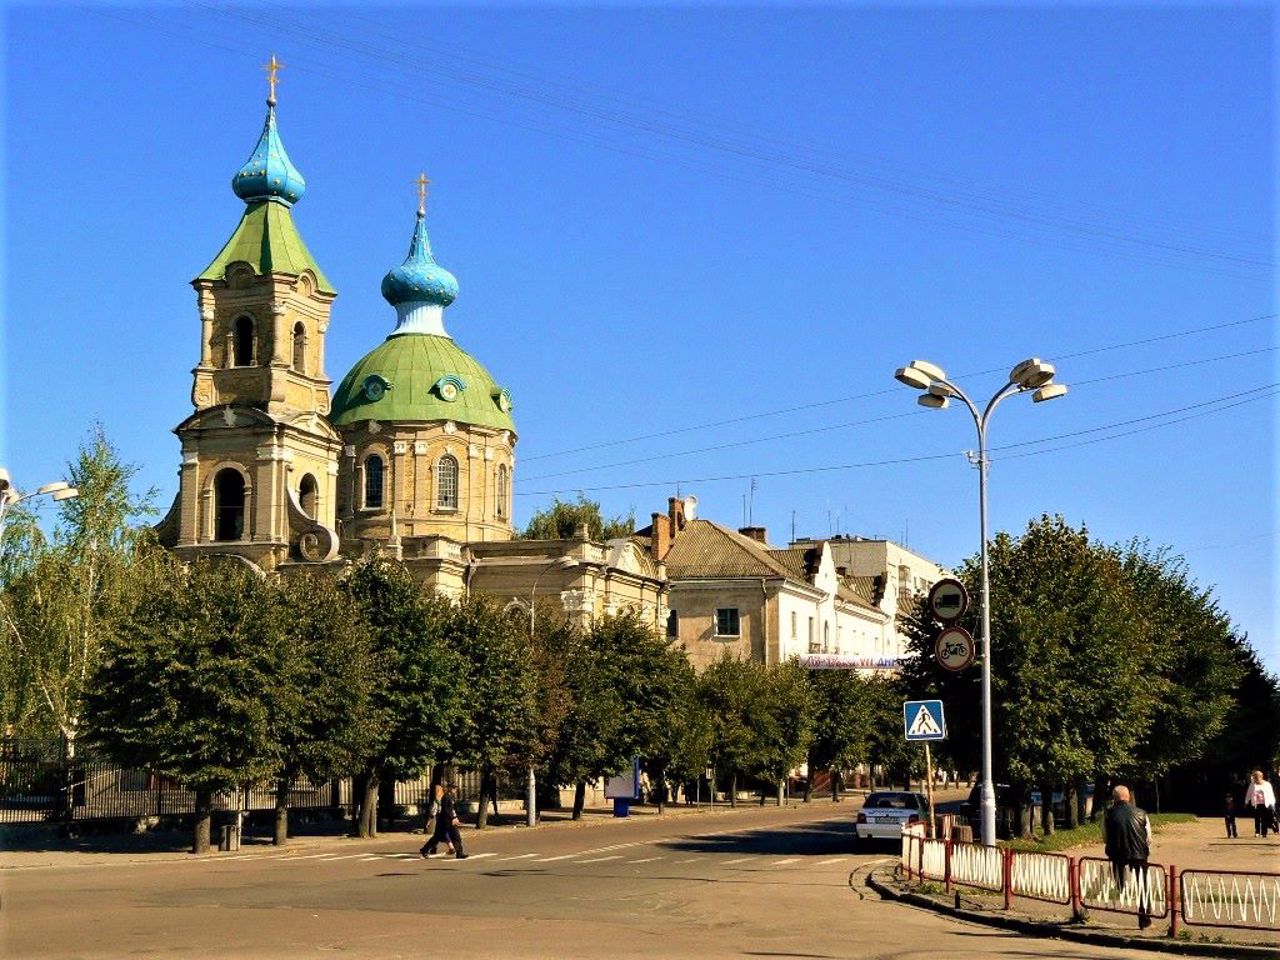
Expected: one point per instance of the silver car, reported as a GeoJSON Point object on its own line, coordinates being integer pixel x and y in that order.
{"type": "Point", "coordinates": [883, 815]}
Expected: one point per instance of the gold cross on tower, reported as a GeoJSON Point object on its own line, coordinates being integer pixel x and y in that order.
{"type": "Point", "coordinates": [422, 182]}
{"type": "Point", "coordinates": [272, 67]}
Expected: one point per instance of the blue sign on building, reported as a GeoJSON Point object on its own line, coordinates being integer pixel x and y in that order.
{"type": "Point", "coordinates": [923, 720]}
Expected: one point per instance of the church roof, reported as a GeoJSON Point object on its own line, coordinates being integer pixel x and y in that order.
{"type": "Point", "coordinates": [421, 377]}
{"type": "Point", "coordinates": [420, 279]}
{"type": "Point", "coordinates": [268, 241]}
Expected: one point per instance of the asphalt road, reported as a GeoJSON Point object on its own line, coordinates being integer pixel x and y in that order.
{"type": "Point", "coordinates": [760, 882]}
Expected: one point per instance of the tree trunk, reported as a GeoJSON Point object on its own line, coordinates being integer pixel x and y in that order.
{"type": "Point", "coordinates": [660, 790]}
{"type": "Point", "coordinates": [782, 792]}
{"type": "Point", "coordinates": [835, 786]}
{"type": "Point", "coordinates": [1081, 800]}
{"type": "Point", "coordinates": [1069, 794]}
{"type": "Point", "coordinates": [358, 784]}
{"type": "Point", "coordinates": [579, 798]}
{"type": "Point", "coordinates": [367, 827]}
{"type": "Point", "coordinates": [487, 782]}
{"type": "Point", "coordinates": [1100, 796]}
{"type": "Point", "coordinates": [1046, 810]}
{"type": "Point", "coordinates": [733, 789]}
{"type": "Point", "coordinates": [204, 817]}
{"type": "Point", "coordinates": [281, 834]}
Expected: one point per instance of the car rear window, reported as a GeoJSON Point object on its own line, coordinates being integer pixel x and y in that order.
{"type": "Point", "coordinates": [891, 801]}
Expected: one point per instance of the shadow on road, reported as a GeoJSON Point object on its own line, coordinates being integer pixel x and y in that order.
{"type": "Point", "coordinates": [825, 838]}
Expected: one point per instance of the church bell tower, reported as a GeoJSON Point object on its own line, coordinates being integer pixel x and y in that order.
{"type": "Point", "coordinates": [259, 457]}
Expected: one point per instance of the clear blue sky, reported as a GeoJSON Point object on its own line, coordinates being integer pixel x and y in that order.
{"type": "Point", "coordinates": [672, 224]}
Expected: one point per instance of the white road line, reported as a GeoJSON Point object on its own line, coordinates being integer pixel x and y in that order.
{"type": "Point", "coordinates": [827, 863]}
{"type": "Point", "coordinates": [351, 856]}
{"type": "Point", "coordinates": [645, 860]}
{"type": "Point", "coordinates": [312, 856]}
{"type": "Point", "coordinates": [690, 860]}
{"type": "Point", "coordinates": [366, 858]}
{"type": "Point", "coordinates": [783, 863]}
{"type": "Point", "coordinates": [563, 856]}
{"type": "Point", "coordinates": [739, 860]}
{"type": "Point", "coordinates": [518, 856]}
{"type": "Point", "coordinates": [616, 856]}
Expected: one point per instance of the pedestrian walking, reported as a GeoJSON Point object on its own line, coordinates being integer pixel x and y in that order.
{"type": "Point", "coordinates": [1261, 799]}
{"type": "Point", "coordinates": [1229, 814]}
{"type": "Point", "coordinates": [447, 826]}
{"type": "Point", "coordinates": [1128, 840]}
{"type": "Point", "coordinates": [432, 818]}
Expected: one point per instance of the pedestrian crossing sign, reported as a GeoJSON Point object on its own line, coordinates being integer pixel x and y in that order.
{"type": "Point", "coordinates": [923, 720]}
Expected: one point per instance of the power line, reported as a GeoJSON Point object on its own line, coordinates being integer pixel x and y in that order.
{"type": "Point", "coordinates": [1249, 396]}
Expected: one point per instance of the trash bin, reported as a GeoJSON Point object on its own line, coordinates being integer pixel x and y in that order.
{"type": "Point", "coordinates": [621, 807]}
{"type": "Point", "coordinates": [230, 837]}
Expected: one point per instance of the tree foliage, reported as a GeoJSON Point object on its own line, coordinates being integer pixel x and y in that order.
{"type": "Point", "coordinates": [562, 521]}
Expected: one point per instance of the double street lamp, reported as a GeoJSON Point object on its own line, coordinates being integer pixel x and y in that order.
{"type": "Point", "coordinates": [10, 497]}
{"type": "Point", "coordinates": [1033, 376]}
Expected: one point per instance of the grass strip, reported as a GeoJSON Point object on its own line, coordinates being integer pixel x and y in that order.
{"type": "Point", "coordinates": [1088, 833]}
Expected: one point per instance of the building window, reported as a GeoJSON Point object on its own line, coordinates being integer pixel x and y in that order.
{"type": "Point", "coordinates": [228, 505]}
{"type": "Point", "coordinates": [299, 348]}
{"type": "Point", "coordinates": [502, 491]}
{"type": "Point", "coordinates": [242, 342]}
{"type": "Point", "coordinates": [727, 624]}
{"type": "Point", "coordinates": [673, 624]}
{"type": "Point", "coordinates": [308, 495]}
{"type": "Point", "coordinates": [447, 483]}
{"type": "Point", "coordinates": [373, 478]}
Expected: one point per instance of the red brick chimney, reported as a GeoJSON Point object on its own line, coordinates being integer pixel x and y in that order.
{"type": "Point", "coordinates": [660, 542]}
{"type": "Point", "coordinates": [758, 534]}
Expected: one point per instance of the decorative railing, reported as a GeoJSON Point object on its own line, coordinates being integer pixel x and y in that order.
{"type": "Point", "coordinates": [1219, 898]}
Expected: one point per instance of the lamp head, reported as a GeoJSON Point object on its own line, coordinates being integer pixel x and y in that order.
{"type": "Point", "coordinates": [912, 377]}
{"type": "Point", "coordinates": [66, 493]}
{"type": "Point", "coordinates": [930, 370]}
{"type": "Point", "coordinates": [55, 487]}
{"type": "Point", "coordinates": [1050, 391]}
{"type": "Point", "coordinates": [933, 401]}
{"type": "Point", "coordinates": [1032, 373]}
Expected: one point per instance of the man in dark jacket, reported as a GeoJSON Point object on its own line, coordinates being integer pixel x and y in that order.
{"type": "Point", "coordinates": [447, 825]}
{"type": "Point", "coordinates": [1128, 835]}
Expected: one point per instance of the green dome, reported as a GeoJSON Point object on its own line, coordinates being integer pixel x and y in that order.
{"type": "Point", "coordinates": [419, 376]}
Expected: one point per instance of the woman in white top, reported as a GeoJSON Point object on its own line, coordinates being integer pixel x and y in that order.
{"type": "Point", "coordinates": [1262, 799]}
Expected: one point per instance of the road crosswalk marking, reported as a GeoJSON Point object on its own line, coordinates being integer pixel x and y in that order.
{"type": "Point", "coordinates": [827, 863]}
{"type": "Point", "coordinates": [563, 856]}
{"type": "Point", "coordinates": [783, 863]}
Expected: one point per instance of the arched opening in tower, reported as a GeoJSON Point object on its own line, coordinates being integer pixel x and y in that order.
{"type": "Point", "coordinates": [228, 493]}
{"type": "Point", "coordinates": [308, 493]}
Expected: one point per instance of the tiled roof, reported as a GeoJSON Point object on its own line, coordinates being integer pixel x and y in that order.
{"type": "Point", "coordinates": [706, 549]}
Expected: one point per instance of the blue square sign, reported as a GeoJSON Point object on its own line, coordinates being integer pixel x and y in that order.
{"type": "Point", "coordinates": [923, 720]}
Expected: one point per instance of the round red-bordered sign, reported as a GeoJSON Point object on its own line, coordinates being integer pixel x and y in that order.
{"type": "Point", "coordinates": [954, 649]}
{"type": "Point", "coordinates": [948, 600]}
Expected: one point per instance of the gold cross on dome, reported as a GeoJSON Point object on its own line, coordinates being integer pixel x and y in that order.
{"type": "Point", "coordinates": [422, 182]}
{"type": "Point", "coordinates": [272, 67]}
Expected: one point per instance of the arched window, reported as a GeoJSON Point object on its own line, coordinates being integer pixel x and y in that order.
{"type": "Point", "coordinates": [502, 491]}
{"type": "Point", "coordinates": [299, 348]}
{"type": "Point", "coordinates": [228, 505]}
{"type": "Point", "coordinates": [673, 624]}
{"type": "Point", "coordinates": [242, 342]}
{"type": "Point", "coordinates": [447, 483]}
{"type": "Point", "coordinates": [373, 476]}
{"type": "Point", "coordinates": [309, 495]}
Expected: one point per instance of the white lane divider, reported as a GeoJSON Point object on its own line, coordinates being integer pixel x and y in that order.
{"type": "Point", "coordinates": [519, 856]}
{"type": "Point", "coordinates": [349, 856]}
{"type": "Point", "coordinates": [783, 863]}
{"type": "Point", "coordinates": [689, 860]}
{"type": "Point", "coordinates": [645, 860]}
{"type": "Point", "coordinates": [827, 863]}
{"type": "Point", "coordinates": [563, 856]}
{"type": "Point", "coordinates": [616, 856]}
{"type": "Point", "coordinates": [739, 860]}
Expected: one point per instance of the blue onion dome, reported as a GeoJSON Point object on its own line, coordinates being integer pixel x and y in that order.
{"type": "Point", "coordinates": [420, 279]}
{"type": "Point", "coordinates": [268, 174]}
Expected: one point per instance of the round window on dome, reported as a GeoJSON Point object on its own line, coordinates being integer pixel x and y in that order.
{"type": "Point", "coordinates": [375, 387]}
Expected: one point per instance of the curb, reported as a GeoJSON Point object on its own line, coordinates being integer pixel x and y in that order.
{"type": "Point", "coordinates": [1037, 928]}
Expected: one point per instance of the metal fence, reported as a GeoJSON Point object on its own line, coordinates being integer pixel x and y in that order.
{"type": "Point", "coordinates": [40, 783]}
{"type": "Point", "coordinates": [1219, 898]}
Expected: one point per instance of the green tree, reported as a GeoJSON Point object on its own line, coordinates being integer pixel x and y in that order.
{"type": "Point", "coordinates": [732, 693]}
{"type": "Point", "coordinates": [842, 724]}
{"type": "Point", "coordinates": [193, 686]}
{"type": "Point", "coordinates": [499, 726]}
{"type": "Point", "coordinates": [61, 599]}
{"type": "Point", "coordinates": [420, 695]}
{"type": "Point", "coordinates": [786, 722]}
{"type": "Point", "coordinates": [330, 720]}
{"type": "Point", "coordinates": [562, 520]}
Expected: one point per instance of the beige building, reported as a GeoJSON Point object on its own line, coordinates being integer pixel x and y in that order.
{"type": "Point", "coordinates": [732, 594]}
{"type": "Point", "coordinates": [414, 456]}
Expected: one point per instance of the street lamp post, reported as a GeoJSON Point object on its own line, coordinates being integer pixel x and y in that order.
{"type": "Point", "coordinates": [531, 783]}
{"type": "Point", "coordinates": [1032, 375]}
{"type": "Point", "coordinates": [10, 497]}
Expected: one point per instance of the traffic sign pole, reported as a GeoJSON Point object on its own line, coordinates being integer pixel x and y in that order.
{"type": "Point", "coordinates": [928, 786]}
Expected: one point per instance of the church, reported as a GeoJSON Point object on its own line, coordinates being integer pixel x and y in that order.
{"type": "Point", "coordinates": [413, 455]}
